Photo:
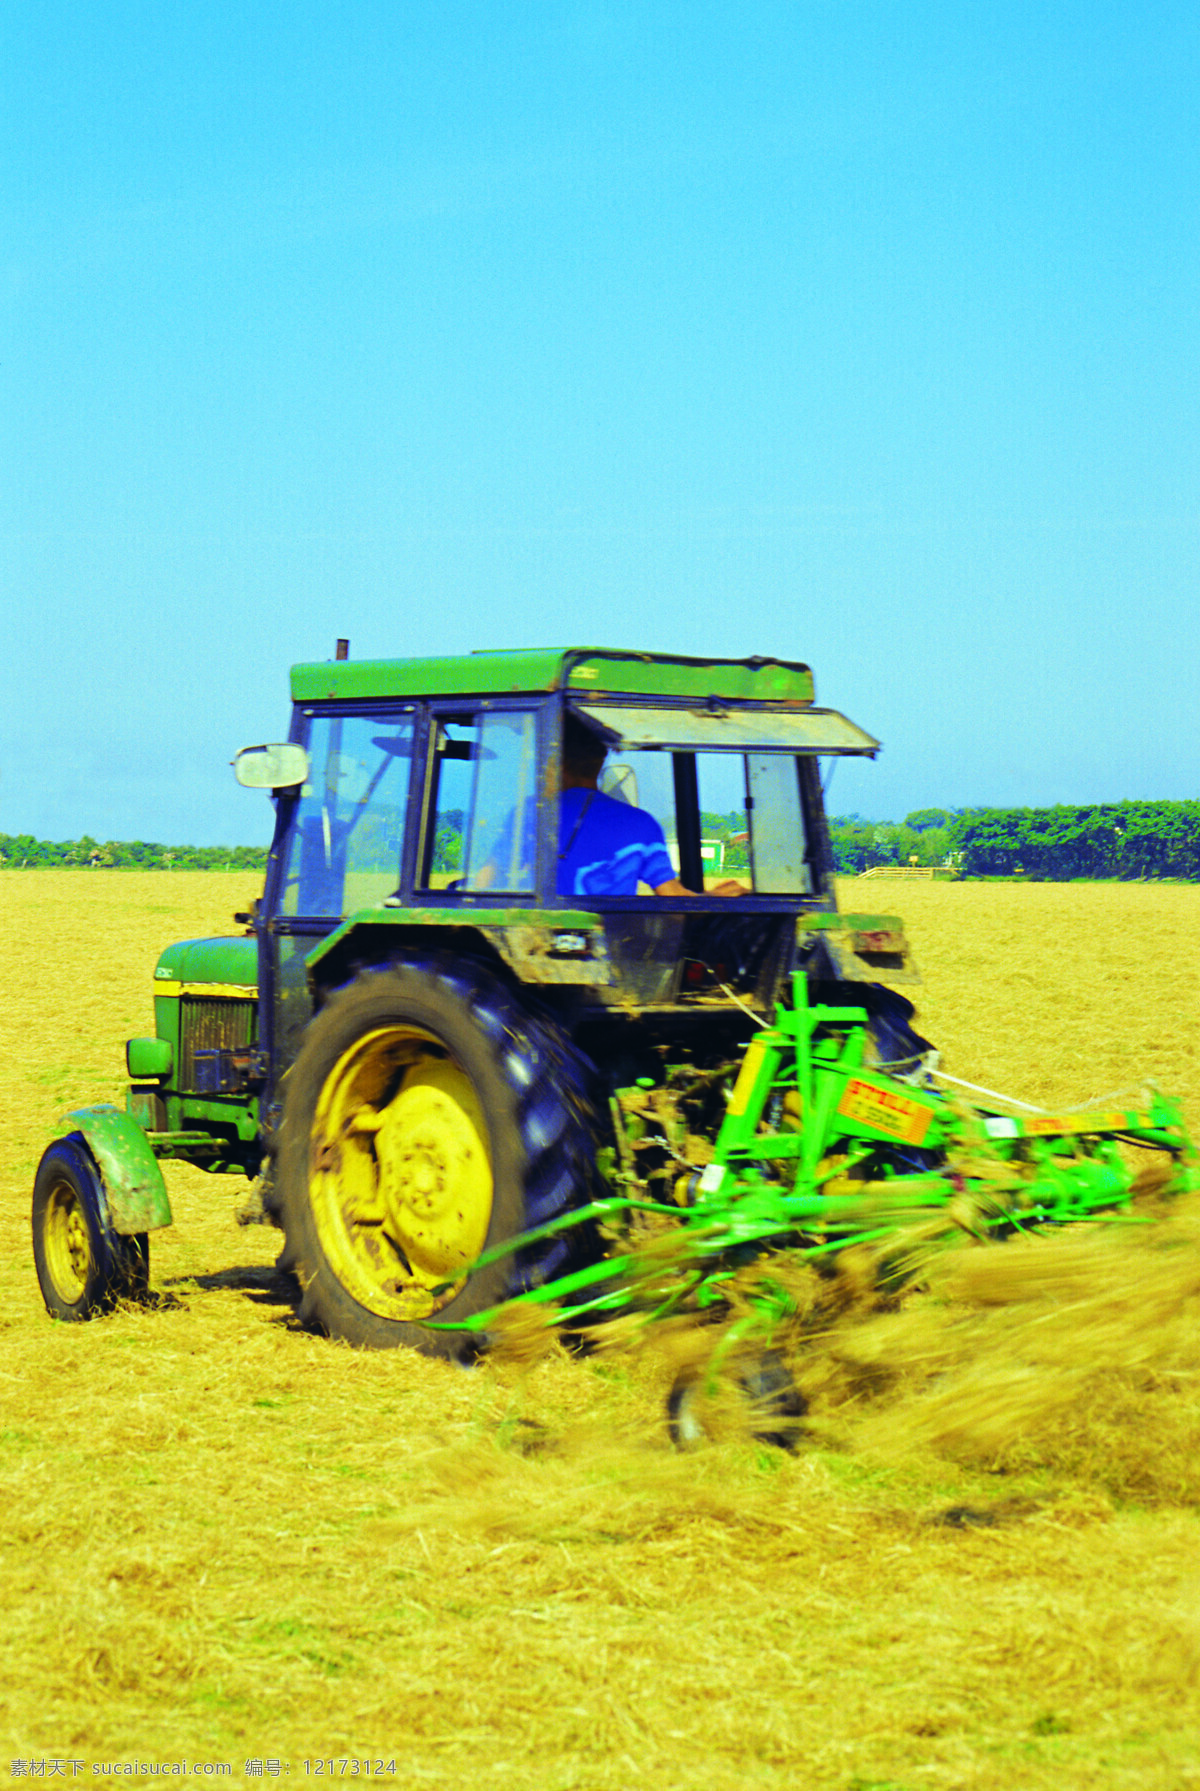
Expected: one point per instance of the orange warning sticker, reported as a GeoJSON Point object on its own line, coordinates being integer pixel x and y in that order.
{"type": "Point", "coordinates": [885, 1111]}
{"type": "Point", "coordinates": [1042, 1124]}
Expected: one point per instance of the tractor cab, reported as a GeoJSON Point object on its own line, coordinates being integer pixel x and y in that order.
{"type": "Point", "coordinates": [436, 799]}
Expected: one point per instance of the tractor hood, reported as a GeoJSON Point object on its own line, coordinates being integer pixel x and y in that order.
{"type": "Point", "coordinates": [209, 967]}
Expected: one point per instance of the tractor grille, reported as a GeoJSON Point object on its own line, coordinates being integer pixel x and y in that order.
{"type": "Point", "coordinates": [212, 1025]}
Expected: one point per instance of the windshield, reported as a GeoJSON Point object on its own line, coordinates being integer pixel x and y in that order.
{"type": "Point", "coordinates": [343, 850]}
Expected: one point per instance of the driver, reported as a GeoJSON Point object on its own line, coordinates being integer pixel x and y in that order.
{"type": "Point", "coordinates": [608, 847]}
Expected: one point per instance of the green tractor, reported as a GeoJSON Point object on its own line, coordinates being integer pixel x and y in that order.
{"type": "Point", "coordinates": [476, 1053]}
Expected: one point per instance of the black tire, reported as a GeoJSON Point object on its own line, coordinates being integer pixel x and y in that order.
{"type": "Point", "coordinates": [405, 1079]}
{"type": "Point", "coordinates": [755, 1399]}
{"type": "Point", "coordinates": [83, 1266]}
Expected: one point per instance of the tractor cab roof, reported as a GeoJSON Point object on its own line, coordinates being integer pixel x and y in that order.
{"type": "Point", "coordinates": [582, 671]}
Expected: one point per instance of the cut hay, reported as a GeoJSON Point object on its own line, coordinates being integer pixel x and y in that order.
{"type": "Point", "coordinates": [225, 1540]}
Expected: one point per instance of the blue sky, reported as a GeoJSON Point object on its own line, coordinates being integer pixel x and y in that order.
{"type": "Point", "coordinates": [864, 334]}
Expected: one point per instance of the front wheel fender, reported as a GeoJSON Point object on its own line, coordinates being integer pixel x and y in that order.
{"type": "Point", "coordinates": [133, 1182]}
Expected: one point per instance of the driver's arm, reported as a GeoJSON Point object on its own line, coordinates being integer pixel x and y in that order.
{"type": "Point", "coordinates": [673, 887]}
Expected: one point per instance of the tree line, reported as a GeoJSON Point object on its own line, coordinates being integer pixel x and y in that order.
{"type": "Point", "coordinates": [1127, 840]}
{"type": "Point", "coordinates": [1111, 839]}
{"type": "Point", "coordinates": [20, 851]}
{"type": "Point", "coordinates": [925, 837]}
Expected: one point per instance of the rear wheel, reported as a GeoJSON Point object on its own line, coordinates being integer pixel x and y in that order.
{"type": "Point", "coordinates": [83, 1266]}
{"type": "Point", "coordinates": [428, 1118]}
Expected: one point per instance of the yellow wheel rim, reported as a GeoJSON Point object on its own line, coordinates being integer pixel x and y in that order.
{"type": "Point", "coordinates": [68, 1244]}
{"type": "Point", "coordinates": [400, 1174]}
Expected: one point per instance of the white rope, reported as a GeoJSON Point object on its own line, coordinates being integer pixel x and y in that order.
{"type": "Point", "coordinates": [757, 1018]}
{"type": "Point", "coordinates": [991, 1094]}
{"type": "Point", "coordinates": [1122, 1097]}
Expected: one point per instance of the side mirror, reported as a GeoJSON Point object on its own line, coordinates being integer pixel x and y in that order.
{"type": "Point", "coordinates": [619, 782]}
{"type": "Point", "coordinates": [279, 767]}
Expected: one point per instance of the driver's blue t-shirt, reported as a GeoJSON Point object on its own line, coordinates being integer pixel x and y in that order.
{"type": "Point", "coordinates": [608, 847]}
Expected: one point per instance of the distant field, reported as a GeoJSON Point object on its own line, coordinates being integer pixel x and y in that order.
{"type": "Point", "coordinates": [224, 1540]}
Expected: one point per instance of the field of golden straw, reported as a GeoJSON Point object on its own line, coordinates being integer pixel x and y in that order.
{"type": "Point", "coordinates": [228, 1543]}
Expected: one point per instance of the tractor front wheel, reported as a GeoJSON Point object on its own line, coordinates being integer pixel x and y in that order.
{"type": "Point", "coordinates": [428, 1118]}
{"type": "Point", "coordinates": [83, 1266]}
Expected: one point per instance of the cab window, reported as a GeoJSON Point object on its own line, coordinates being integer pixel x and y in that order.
{"type": "Point", "coordinates": [481, 831]}
{"type": "Point", "coordinates": [779, 851]}
{"type": "Point", "coordinates": [749, 827]}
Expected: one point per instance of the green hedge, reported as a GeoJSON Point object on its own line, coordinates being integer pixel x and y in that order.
{"type": "Point", "coordinates": [1111, 839]}
{"type": "Point", "coordinates": [22, 852]}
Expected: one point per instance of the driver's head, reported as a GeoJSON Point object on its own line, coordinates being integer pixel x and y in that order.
{"type": "Point", "coordinates": [583, 751]}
